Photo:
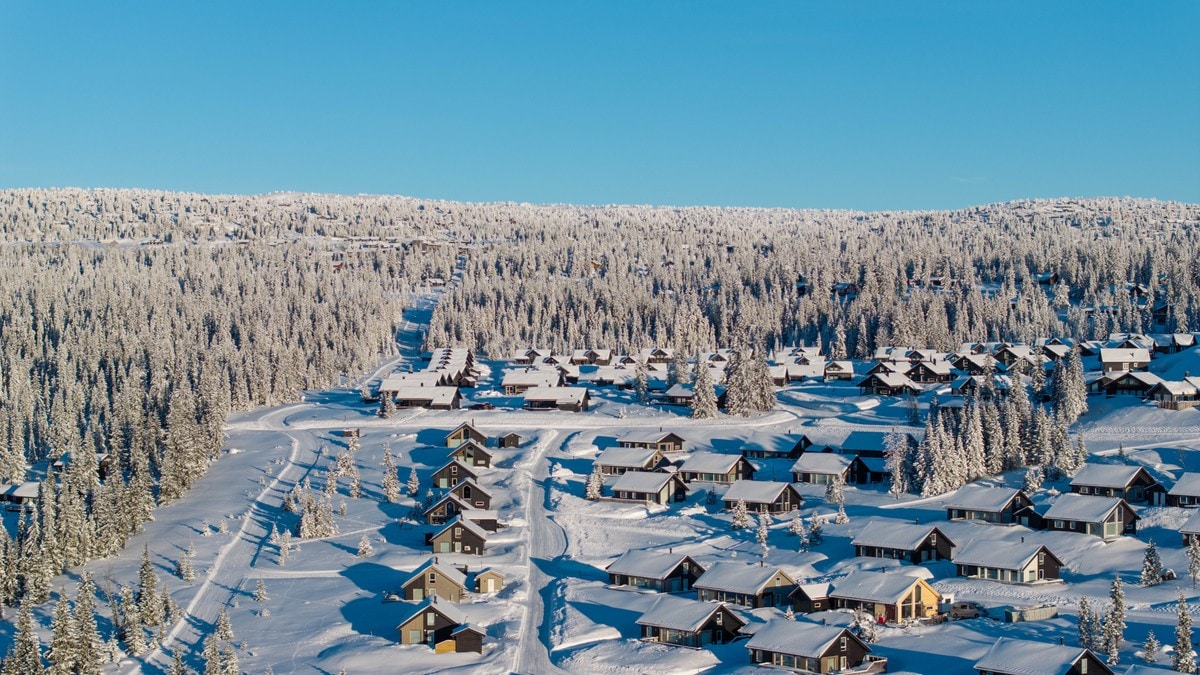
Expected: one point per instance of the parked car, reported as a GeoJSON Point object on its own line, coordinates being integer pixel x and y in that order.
{"type": "Point", "coordinates": [966, 610]}
{"type": "Point", "coordinates": [483, 406]}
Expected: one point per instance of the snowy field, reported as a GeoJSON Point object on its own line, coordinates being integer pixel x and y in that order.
{"type": "Point", "coordinates": [328, 610]}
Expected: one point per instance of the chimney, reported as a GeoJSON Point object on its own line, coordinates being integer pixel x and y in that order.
{"type": "Point", "coordinates": [1022, 540]}
{"type": "Point", "coordinates": [761, 563]}
{"type": "Point", "coordinates": [1060, 641]}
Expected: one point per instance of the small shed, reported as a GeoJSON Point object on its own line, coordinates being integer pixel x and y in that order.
{"type": "Point", "coordinates": [510, 440]}
{"type": "Point", "coordinates": [489, 581]}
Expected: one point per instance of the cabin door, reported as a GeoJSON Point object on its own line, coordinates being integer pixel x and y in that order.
{"type": "Point", "coordinates": [489, 585]}
{"type": "Point", "coordinates": [829, 664]}
{"type": "Point", "coordinates": [1160, 498]}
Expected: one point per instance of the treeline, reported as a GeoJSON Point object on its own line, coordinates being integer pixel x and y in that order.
{"type": "Point", "coordinates": [625, 278]}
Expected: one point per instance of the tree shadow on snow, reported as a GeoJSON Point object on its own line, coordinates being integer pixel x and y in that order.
{"type": "Point", "coordinates": [372, 616]}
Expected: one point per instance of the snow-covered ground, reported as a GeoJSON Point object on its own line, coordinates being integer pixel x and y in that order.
{"type": "Point", "coordinates": [327, 611]}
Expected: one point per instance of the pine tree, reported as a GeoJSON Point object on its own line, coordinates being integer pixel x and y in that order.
{"type": "Point", "coordinates": [1088, 639]}
{"type": "Point", "coordinates": [1193, 557]}
{"type": "Point", "coordinates": [741, 515]}
{"type": "Point", "coordinates": [260, 591]}
{"type": "Point", "coordinates": [868, 629]}
{"type": "Point", "coordinates": [1114, 622]}
{"type": "Point", "coordinates": [212, 657]}
{"type": "Point", "coordinates": [679, 373]}
{"type": "Point", "coordinates": [391, 482]}
{"type": "Point", "coordinates": [387, 405]}
{"type": "Point", "coordinates": [62, 654]}
{"type": "Point", "coordinates": [704, 396]}
{"type": "Point", "coordinates": [25, 655]}
{"type": "Point", "coordinates": [224, 629]}
{"type": "Point", "coordinates": [89, 648]}
{"type": "Point", "coordinates": [896, 454]}
{"type": "Point", "coordinates": [177, 667]}
{"type": "Point", "coordinates": [1032, 481]}
{"type": "Point", "coordinates": [285, 547]}
{"type": "Point", "coordinates": [789, 614]}
{"type": "Point", "coordinates": [414, 483]}
{"type": "Point", "coordinates": [595, 484]}
{"type": "Point", "coordinates": [148, 600]}
{"type": "Point", "coordinates": [816, 528]}
{"type": "Point", "coordinates": [229, 662]}
{"type": "Point", "coordinates": [1183, 659]}
{"type": "Point", "coordinates": [364, 547]}
{"type": "Point", "coordinates": [1152, 568]}
{"type": "Point", "coordinates": [1150, 648]}
{"type": "Point", "coordinates": [797, 526]}
{"type": "Point", "coordinates": [841, 518]}
{"type": "Point", "coordinates": [641, 381]}
{"type": "Point", "coordinates": [835, 492]}
{"type": "Point", "coordinates": [761, 535]}
{"type": "Point", "coordinates": [184, 569]}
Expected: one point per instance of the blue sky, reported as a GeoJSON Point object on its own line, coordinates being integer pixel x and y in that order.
{"type": "Point", "coordinates": [868, 105]}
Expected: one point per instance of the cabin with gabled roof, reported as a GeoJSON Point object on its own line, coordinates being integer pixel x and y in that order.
{"type": "Point", "coordinates": [1130, 482]}
{"type": "Point", "coordinates": [662, 571]}
{"type": "Point", "coordinates": [469, 492]}
{"type": "Point", "coordinates": [1013, 656]}
{"type": "Point", "coordinates": [619, 460]}
{"type": "Point", "coordinates": [664, 442]}
{"type": "Point", "coordinates": [892, 597]}
{"type": "Point", "coordinates": [431, 578]}
{"type": "Point", "coordinates": [903, 541]}
{"type": "Point", "coordinates": [1105, 517]}
{"type": "Point", "coordinates": [472, 454]}
{"type": "Point", "coordinates": [995, 505]}
{"type": "Point", "coordinates": [821, 468]}
{"type": "Point", "coordinates": [1186, 491]}
{"type": "Point", "coordinates": [659, 487]}
{"type": "Point", "coordinates": [763, 496]}
{"type": "Point", "coordinates": [445, 509]}
{"type": "Point", "coordinates": [811, 648]}
{"type": "Point", "coordinates": [451, 473]}
{"type": "Point", "coordinates": [1007, 562]}
{"type": "Point", "coordinates": [710, 467]}
{"type": "Point", "coordinates": [459, 536]}
{"type": "Point", "coordinates": [745, 584]}
{"type": "Point", "coordinates": [430, 622]}
{"type": "Point", "coordinates": [463, 433]}
{"type": "Point", "coordinates": [689, 623]}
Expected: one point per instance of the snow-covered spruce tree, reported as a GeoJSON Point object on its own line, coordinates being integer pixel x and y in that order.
{"type": "Point", "coordinates": [1114, 622]}
{"type": "Point", "coordinates": [224, 629]}
{"type": "Point", "coordinates": [679, 373]}
{"type": "Point", "coordinates": [1032, 481]}
{"type": "Point", "coordinates": [868, 628]}
{"type": "Point", "coordinates": [229, 662]}
{"type": "Point", "coordinates": [25, 655]}
{"type": "Point", "coordinates": [212, 656]}
{"type": "Point", "coordinates": [749, 388]}
{"type": "Point", "coordinates": [1152, 569]}
{"type": "Point", "coordinates": [897, 459]}
{"type": "Point", "coordinates": [260, 591]}
{"type": "Point", "coordinates": [1183, 659]}
{"type": "Point", "coordinates": [387, 406]}
{"type": "Point", "coordinates": [835, 492]}
{"type": "Point", "coordinates": [364, 547]}
{"type": "Point", "coordinates": [89, 648]}
{"type": "Point", "coordinates": [797, 526]}
{"type": "Point", "coordinates": [148, 600]}
{"type": "Point", "coordinates": [1070, 390]}
{"type": "Point", "coordinates": [641, 381]}
{"type": "Point", "coordinates": [741, 515]}
{"type": "Point", "coordinates": [704, 396]}
{"type": "Point", "coordinates": [816, 529]}
{"type": "Point", "coordinates": [1193, 557]}
{"type": "Point", "coordinates": [760, 536]}
{"type": "Point", "coordinates": [285, 547]}
{"type": "Point", "coordinates": [1150, 648]}
{"type": "Point", "coordinates": [595, 484]}
{"type": "Point", "coordinates": [62, 654]}
{"type": "Point", "coordinates": [391, 481]}
{"type": "Point", "coordinates": [177, 667]}
{"type": "Point", "coordinates": [414, 483]}
{"type": "Point", "coordinates": [184, 569]}
{"type": "Point", "coordinates": [1087, 625]}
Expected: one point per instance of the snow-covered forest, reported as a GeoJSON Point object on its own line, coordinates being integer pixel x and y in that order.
{"type": "Point", "coordinates": [626, 277]}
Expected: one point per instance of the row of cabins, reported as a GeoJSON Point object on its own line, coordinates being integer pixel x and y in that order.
{"type": "Point", "coordinates": [462, 519]}
{"type": "Point", "coordinates": [890, 597]}
{"type": "Point", "coordinates": [435, 387]}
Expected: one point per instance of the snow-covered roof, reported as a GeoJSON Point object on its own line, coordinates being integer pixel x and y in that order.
{"type": "Point", "coordinates": [468, 482]}
{"type": "Point", "coordinates": [1179, 388]}
{"type": "Point", "coordinates": [642, 481]}
{"type": "Point", "coordinates": [771, 442]}
{"type": "Point", "coordinates": [1106, 475]}
{"type": "Point", "coordinates": [883, 587]}
{"type": "Point", "coordinates": [1147, 379]}
{"type": "Point", "coordinates": [645, 436]}
{"type": "Point", "coordinates": [448, 609]}
{"type": "Point", "coordinates": [815, 591]}
{"type": "Point", "coordinates": [902, 536]}
{"type": "Point", "coordinates": [734, 577]}
{"type": "Point", "coordinates": [797, 638]}
{"type": "Point", "coordinates": [710, 462]}
{"type": "Point", "coordinates": [1027, 657]}
{"type": "Point", "coordinates": [646, 564]}
{"type": "Point", "coordinates": [459, 504]}
{"type": "Point", "coordinates": [1004, 555]}
{"type": "Point", "coordinates": [680, 614]}
{"type": "Point", "coordinates": [865, 440]}
{"type": "Point", "coordinates": [466, 525]}
{"type": "Point", "coordinates": [462, 468]}
{"type": "Point", "coordinates": [840, 366]}
{"type": "Point", "coordinates": [1188, 485]}
{"type": "Point", "coordinates": [1084, 508]}
{"type": "Point", "coordinates": [435, 395]}
{"type": "Point", "coordinates": [1110, 355]}
{"type": "Point", "coordinates": [26, 490]}
{"type": "Point", "coordinates": [1191, 525]}
{"type": "Point", "coordinates": [532, 377]}
{"type": "Point", "coordinates": [755, 491]}
{"type": "Point", "coordinates": [450, 572]}
{"type": "Point", "coordinates": [821, 462]}
{"type": "Point", "coordinates": [560, 395]}
{"type": "Point", "coordinates": [626, 457]}
{"type": "Point", "coordinates": [892, 380]}
{"type": "Point", "coordinates": [981, 498]}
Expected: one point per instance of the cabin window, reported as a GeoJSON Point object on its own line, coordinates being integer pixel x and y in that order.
{"type": "Point", "coordinates": [1083, 490]}
{"type": "Point", "coordinates": [453, 470]}
{"type": "Point", "coordinates": [1072, 524]}
{"type": "Point", "coordinates": [933, 538]}
{"type": "Point", "coordinates": [1058, 524]}
{"type": "Point", "coordinates": [816, 604]}
{"type": "Point", "coordinates": [687, 567]}
{"type": "Point", "coordinates": [458, 533]}
{"type": "Point", "coordinates": [1083, 666]}
{"type": "Point", "coordinates": [429, 619]}
{"type": "Point", "coordinates": [720, 619]}
{"type": "Point", "coordinates": [432, 577]}
{"type": "Point", "coordinates": [842, 644]}
{"type": "Point", "coordinates": [1041, 557]}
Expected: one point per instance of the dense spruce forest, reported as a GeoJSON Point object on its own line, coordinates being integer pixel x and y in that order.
{"type": "Point", "coordinates": [133, 322]}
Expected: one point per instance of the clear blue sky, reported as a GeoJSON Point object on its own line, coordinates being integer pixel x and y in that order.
{"type": "Point", "coordinates": [870, 105]}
